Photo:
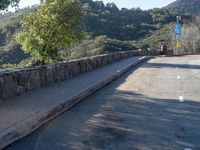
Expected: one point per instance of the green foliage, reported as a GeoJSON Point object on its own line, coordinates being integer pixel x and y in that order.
{"type": "Point", "coordinates": [185, 7]}
{"type": "Point", "coordinates": [10, 51]}
{"type": "Point", "coordinates": [124, 24]}
{"type": "Point", "coordinates": [99, 45]}
{"type": "Point", "coordinates": [88, 47]}
{"type": "Point", "coordinates": [162, 16]}
{"type": "Point", "coordinates": [5, 3]}
{"type": "Point", "coordinates": [111, 30]}
{"type": "Point", "coordinates": [113, 45]}
{"type": "Point", "coordinates": [157, 38]}
{"type": "Point", "coordinates": [53, 26]}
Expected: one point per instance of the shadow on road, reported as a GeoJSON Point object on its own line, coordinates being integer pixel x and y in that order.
{"type": "Point", "coordinates": [133, 121]}
{"type": "Point", "coordinates": [167, 65]}
{"type": "Point", "coordinates": [120, 120]}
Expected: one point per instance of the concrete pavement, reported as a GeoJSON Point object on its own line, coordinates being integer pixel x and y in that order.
{"type": "Point", "coordinates": [24, 114]}
{"type": "Point", "coordinates": [155, 107]}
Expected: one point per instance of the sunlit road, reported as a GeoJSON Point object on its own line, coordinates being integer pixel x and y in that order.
{"type": "Point", "coordinates": [156, 107]}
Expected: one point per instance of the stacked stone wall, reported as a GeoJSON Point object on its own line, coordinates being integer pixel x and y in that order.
{"type": "Point", "coordinates": [15, 82]}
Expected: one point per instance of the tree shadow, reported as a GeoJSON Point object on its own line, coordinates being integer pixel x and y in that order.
{"type": "Point", "coordinates": [130, 120]}
{"type": "Point", "coordinates": [112, 119]}
{"type": "Point", "coordinates": [167, 65]}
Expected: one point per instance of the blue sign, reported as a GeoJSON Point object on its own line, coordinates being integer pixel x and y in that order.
{"type": "Point", "coordinates": [177, 29]}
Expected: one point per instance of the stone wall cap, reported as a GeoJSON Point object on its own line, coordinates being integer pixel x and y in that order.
{"type": "Point", "coordinates": [7, 71]}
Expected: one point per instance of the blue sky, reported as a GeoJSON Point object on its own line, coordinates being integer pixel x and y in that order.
{"type": "Point", "coordinates": [143, 4]}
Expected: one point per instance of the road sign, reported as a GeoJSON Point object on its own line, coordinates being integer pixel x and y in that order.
{"type": "Point", "coordinates": [177, 29]}
{"type": "Point", "coordinates": [178, 44]}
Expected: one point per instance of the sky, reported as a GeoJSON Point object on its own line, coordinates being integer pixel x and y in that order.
{"type": "Point", "coordinates": [143, 4]}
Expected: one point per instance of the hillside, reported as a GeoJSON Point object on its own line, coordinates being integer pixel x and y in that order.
{"type": "Point", "coordinates": [185, 7]}
{"type": "Point", "coordinates": [109, 29]}
{"type": "Point", "coordinates": [10, 51]}
{"type": "Point", "coordinates": [158, 37]}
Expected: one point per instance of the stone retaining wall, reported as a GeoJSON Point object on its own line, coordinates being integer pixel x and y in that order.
{"type": "Point", "coordinates": [15, 82]}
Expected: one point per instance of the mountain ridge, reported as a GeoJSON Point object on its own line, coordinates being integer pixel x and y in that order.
{"type": "Point", "coordinates": [185, 7]}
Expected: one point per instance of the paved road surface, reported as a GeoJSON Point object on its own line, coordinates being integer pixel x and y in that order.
{"type": "Point", "coordinates": [156, 107]}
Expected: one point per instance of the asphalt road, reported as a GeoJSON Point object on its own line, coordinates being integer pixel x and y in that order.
{"type": "Point", "coordinates": [156, 107]}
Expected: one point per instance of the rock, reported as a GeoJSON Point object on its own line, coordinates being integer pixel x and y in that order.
{"type": "Point", "coordinates": [74, 67]}
{"type": "Point", "coordinates": [21, 90]}
{"type": "Point", "coordinates": [1, 88]}
{"type": "Point", "coordinates": [35, 81]}
{"type": "Point", "coordinates": [10, 86]}
{"type": "Point", "coordinates": [62, 72]}
{"type": "Point", "coordinates": [50, 74]}
{"type": "Point", "coordinates": [18, 81]}
{"type": "Point", "coordinates": [86, 65]}
{"type": "Point", "coordinates": [43, 76]}
{"type": "Point", "coordinates": [23, 78]}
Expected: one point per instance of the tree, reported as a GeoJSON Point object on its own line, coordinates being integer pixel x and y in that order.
{"type": "Point", "coordinates": [55, 25]}
{"type": "Point", "coordinates": [5, 3]}
{"type": "Point", "coordinates": [191, 35]}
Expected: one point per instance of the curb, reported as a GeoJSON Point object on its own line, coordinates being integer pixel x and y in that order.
{"type": "Point", "coordinates": [28, 125]}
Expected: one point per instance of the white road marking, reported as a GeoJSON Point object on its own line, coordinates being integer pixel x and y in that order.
{"type": "Point", "coordinates": [99, 115]}
{"type": "Point", "coordinates": [75, 134]}
{"type": "Point", "coordinates": [187, 149]}
{"type": "Point", "coordinates": [181, 99]}
{"type": "Point", "coordinates": [178, 77]}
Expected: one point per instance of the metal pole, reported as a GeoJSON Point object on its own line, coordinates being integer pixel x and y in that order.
{"type": "Point", "coordinates": [177, 36]}
{"type": "Point", "coordinates": [177, 19]}
{"type": "Point", "coordinates": [194, 46]}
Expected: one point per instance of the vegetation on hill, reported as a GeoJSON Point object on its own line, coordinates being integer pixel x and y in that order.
{"type": "Point", "coordinates": [5, 3]}
{"type": "Point", "coordinates": [157, 38]}
{"type": "Point", "coordinates": [107, 29]}
{"type": "Point", "coordinates": [10, 51]}
{"type": "Point", "coordinates": [185, 7]}
{"type": "Point", "coordinates": [94, 46]}
{"type": "Point", "coordinates": [124, 24]}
